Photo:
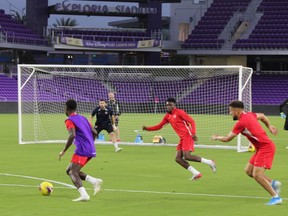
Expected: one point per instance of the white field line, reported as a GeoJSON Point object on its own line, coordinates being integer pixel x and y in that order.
{"type": "Point", "coordinates": [69, 186]}
{"type": "Point", "coordinates": [36, 178]}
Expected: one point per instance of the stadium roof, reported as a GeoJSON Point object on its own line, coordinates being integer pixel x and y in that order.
{"type": "Point", "coordinates": [139, 1]}
{"type": "Point", "coordinates": [136, 23]}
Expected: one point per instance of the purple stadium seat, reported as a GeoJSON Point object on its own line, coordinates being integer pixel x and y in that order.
{"type": "Point", "coordinates": [271, 31]}
{"type": "Point", "coordinates": [212, 24]}
{"type": "Point", "coordinates": [17, 32]}
{"type": "Point", "coordinates": [263, 91]}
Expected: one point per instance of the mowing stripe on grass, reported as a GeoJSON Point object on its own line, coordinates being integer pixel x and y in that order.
{"type": "Point", "coordinates": [69, 186]}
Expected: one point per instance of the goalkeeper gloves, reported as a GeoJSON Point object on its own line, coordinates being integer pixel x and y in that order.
{"type": "Point", "coordinates": [283, 116]}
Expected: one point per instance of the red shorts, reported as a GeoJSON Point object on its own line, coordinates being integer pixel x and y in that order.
{"type": "Point", "coordinates": [263, 157]}
{"type": "Point", "coordinates": [186, 144]}
{"type": "Point", "coordinates": [81, 160]}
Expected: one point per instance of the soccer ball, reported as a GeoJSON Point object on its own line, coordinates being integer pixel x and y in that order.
{"type": "Point", "coordinates": [46, 188]}
{"type": "Point", "coordinates": [251, 148]}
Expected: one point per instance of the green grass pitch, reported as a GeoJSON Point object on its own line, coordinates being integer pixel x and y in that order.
{"type": "Point", "coordinates": [137, 181]}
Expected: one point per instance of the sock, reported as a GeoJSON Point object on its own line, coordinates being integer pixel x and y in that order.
{"type": "Point", "coordinates": [115, 145]}
{"type": "Point", "coordinates": [193, 170]}
{"type": "Point", "coordinates": [206, 161]}
{"type": "Point", "coordinates": [83, 192]}
{"type": "Point", "coordinates": [90, 179]}
{"type": "Point", "coordinates": [275, 196]}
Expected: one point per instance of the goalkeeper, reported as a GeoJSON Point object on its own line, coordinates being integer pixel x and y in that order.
{"type": "Point", "coordinates": [284, 113]}
{"type": "Point", "coordinates": [105, 121]}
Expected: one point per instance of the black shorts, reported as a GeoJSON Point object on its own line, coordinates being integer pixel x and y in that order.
{"type": "Point", "coordinates": [108, 128]}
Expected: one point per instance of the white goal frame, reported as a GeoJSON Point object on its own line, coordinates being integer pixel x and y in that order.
{"type": "Point", "coordinates": [244, 93]}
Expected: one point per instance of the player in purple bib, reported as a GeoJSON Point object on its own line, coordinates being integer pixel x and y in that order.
{"type": "Point", "coordinates": [81, 132]}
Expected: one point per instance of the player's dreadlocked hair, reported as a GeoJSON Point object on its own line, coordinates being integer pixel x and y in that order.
{"type": "Point", "coordinates": [236, 104]}
{"type": "Point", "coordinates": [71, 104]}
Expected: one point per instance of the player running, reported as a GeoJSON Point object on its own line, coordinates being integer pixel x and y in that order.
{"type": "Point", "coordinates": [80, 130]}
{"type": "Point", "coordinates": [249, 126]}
{"type": "Point", "coordinates": [185, 127]}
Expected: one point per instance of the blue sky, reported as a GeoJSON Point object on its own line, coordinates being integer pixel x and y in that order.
{"type": "Point", "coordinates": [83, 21]}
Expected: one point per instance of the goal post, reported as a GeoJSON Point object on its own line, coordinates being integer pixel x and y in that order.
{"type": "Point", "coordinates": [204, 92]}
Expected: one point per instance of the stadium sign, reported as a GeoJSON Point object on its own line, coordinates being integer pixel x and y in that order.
{"type": "Point", "coordinates": [110, 44]}
{"type": "Point", "coordinates": [66, 6]}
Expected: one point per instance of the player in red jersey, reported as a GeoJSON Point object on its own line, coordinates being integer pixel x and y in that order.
{"type": "Point", "coordinates": [249, 126]}
{"type": "Point", "coordinates": [185, 127]}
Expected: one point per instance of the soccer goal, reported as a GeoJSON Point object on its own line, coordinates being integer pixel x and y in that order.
{"type": "Point", "coordinates": [204, 92]}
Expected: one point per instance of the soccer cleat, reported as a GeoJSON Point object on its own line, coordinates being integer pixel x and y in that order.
{"type": "Point", "coordinates": [97, 186]}
{"type": "Point", "coordinates": [82, 199]}
{"type": "Point", "coordinates": [213, 166]}
{"type": "Point", "coordinates": [118, 149]}
{"type": "Point", "coordinates": [196, 176]}
{"type": "Point", "coordinates": [276, 185]}
{"type": "Point", "coordinates": [274, 201]}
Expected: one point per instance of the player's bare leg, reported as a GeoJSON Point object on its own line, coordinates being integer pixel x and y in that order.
{"type": "Point", "coordinates": [73, 171]}
{"type": "Point", "coordinates": [181, 160]}
{"type": "Point", "coordinates": [250, 169]}
{"type": "Point", "coordinates": [258, 175]}
{"type": "Point", "coordinates": [114, 141]}
{"type": "Point", "coordinates": [118, 134]}
{"type": "Point", "coordinates": [260, 178]}
{"type": "Point", "coordinates": [187, 156]}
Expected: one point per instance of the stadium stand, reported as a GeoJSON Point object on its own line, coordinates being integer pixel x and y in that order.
{"type": "Point", "coordinates": [263, 91]}
{"type": "Point", "coordinates": [271, 31]}
{"type": "Point", "coordinates": [269, 89]}
{"type": "Point", "coordinates": [206, 33]}
{"type": "Point", "coordinates": [8, 89]}
{"type": "Point", "coordinates": [12, 31]}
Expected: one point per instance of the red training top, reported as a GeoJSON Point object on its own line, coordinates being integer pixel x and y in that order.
{"type": "Point", "coordinates": [249, 126]}
{"type": "Point", "coordinates": [181, 122]}
{"type": "Point", "coordinates": [69, 124]}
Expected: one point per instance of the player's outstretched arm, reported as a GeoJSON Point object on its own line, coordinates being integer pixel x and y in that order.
{"type": "Point", "coordinates": [90, 119]}
{"type": "Point", "coordinates": [68, 143]}
{"type": "Point", "coordinates": [156, 127]}
{"type": "Point", "coordinates": [94, 132]}
{"type": "Point", "coordinates": [265, 120]}
{"type": "Point", "coordinates": [227, 138]}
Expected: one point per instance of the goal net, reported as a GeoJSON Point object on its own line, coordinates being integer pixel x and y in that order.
{"type": "Point", "coordinates": [204, 92]}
